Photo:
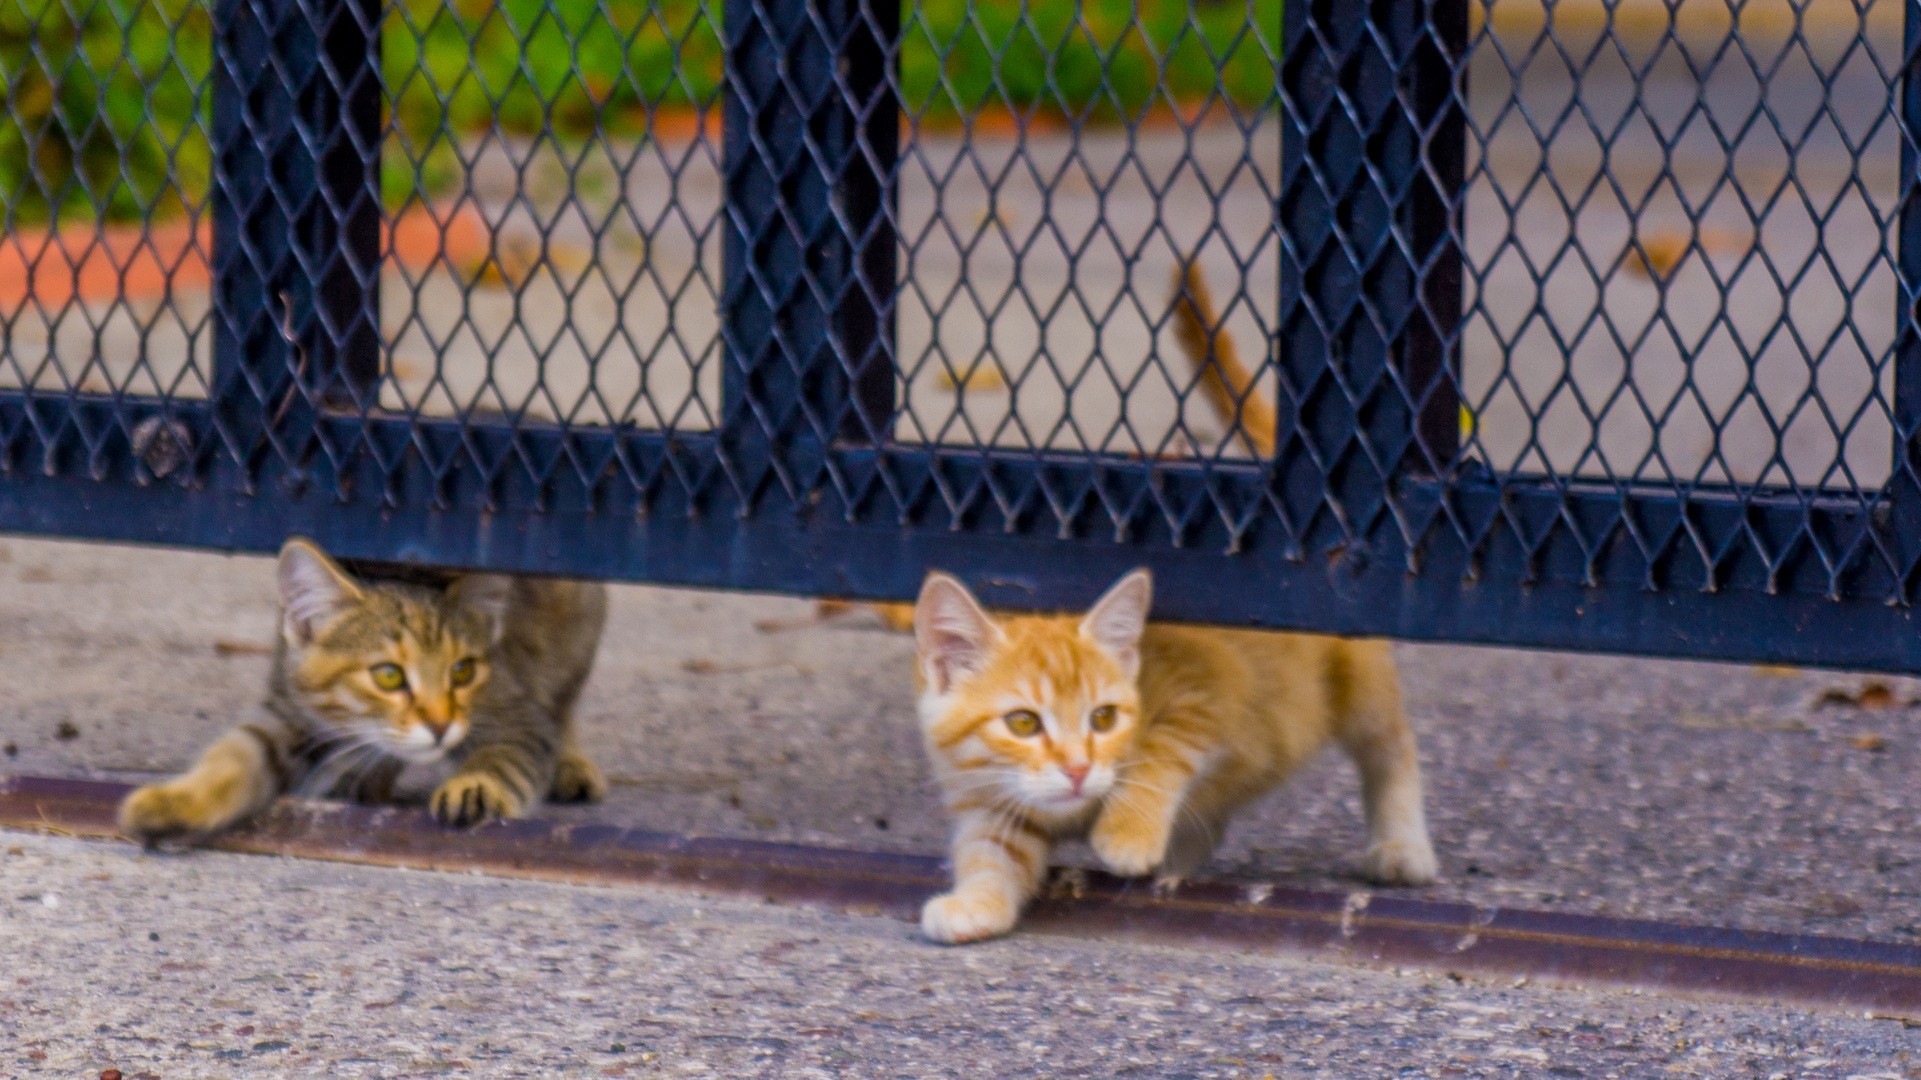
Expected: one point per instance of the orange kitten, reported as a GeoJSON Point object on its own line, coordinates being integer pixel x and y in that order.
{"type": "Point", "coordinates": [1143, 739]}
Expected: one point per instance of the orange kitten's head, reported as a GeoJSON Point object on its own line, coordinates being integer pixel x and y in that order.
{"type": "Point", "coordinates": [1030, 712]}
{"type": "Point", "coordinates": [386, 666]}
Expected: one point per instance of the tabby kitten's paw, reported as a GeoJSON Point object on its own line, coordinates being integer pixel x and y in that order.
{"type": "Point", "coordinates": [1127, 845]}
{"type": "Point", "coordinates": [577, 780]}
{"type": "Point", "coordinates": [1401, 862]}
{"type": "Point", "coordinates": [160, 811]}
{"type": "Point", "coordinates": [956, 917]}
{"type": "Point", "coordinates": [471, 798]}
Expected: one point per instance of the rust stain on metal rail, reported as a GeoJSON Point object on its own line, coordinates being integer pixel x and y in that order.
{"type": "Point", "coordinates": [1704, 952]}
{"type": "Point", "coordinates": [1372, 928]}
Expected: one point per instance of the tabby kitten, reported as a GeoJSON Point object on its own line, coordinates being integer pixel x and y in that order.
{"type": "Point", "coordinates": [1143, 739]}
{"type": "Point", "coordinates": [371, 676]}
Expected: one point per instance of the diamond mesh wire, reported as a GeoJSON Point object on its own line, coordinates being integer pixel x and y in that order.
{"type": "Point", "coordinates": [1614, 293]}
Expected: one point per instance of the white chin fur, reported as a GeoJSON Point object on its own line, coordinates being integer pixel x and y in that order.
{"type": "Point", "coordinates": [418, 747]}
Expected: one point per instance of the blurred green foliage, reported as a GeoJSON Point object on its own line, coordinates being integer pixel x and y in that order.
{"type": "Point", "coordinates": [102, 104]}
{"type": "Point", "coordinates": [105, 103]}
{"type": "Point", "coordinates": [1098, 60]}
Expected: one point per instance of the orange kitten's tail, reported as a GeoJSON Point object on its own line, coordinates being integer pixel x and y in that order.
{"type": "Point", "coordinates": [896, 617]}
{"type": "Point", "coordinates": [1225, 381]}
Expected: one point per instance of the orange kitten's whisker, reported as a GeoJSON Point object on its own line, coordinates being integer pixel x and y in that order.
{"type": "Point", "coordinates": [1183, 809]}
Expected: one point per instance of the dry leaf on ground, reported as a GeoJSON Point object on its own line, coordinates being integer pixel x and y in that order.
{"type": "Point", "coordinates": [241, 648]}
{"type": "Point", "coordinates": [982, 376]}
{"type": "Point", "coordinates": [1873, 694]}
{"type": "Point", "coordinates": [1662, 251]}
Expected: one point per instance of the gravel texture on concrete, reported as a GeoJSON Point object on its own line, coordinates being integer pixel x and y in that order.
{"type": "Point", "coordinates": [1706, 793]}
{"type": "Point", "coordinates": [214, 965]}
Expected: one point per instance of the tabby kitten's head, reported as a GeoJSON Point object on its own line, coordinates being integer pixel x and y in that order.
{"type": "Point", "coordinates": [1034, 713]}
{"type": "Point", "coordinates": [387, 666]}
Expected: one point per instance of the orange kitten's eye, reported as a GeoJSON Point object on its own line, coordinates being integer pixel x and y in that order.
{"type": "Point", "coordinates": [1103, 718]}
{"type": "Point", "coordinates": [1023, 722]}
{"type": "Point", "coordinates": [388, 677]}
{"type": "Point", "coordinates": [462, 672]}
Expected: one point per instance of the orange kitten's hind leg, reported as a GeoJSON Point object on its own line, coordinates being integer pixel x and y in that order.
{"type": "Point", "coordinates": [997, 866]}
{"type": "Point", "coordinates": [1373, 728]}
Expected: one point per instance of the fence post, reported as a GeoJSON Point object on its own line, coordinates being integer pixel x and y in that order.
{"type": "Point", "coordinates": [296, 213]}
{"type": "Point", "coordinates": [1904, 480]}
{"type": "Point", "coordinates": [1431, 215]}
{"type": "Point", "coordinates": [1373, 149]}
{"type": "Point", "coordinates": [809, 250]}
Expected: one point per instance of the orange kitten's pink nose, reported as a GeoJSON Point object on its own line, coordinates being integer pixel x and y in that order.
{"type": "Point", "coordinates": [1076, 775]}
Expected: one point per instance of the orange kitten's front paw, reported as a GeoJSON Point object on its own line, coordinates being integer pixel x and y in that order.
{"type": "Point", "coordinates": [471, 798]}
{"type": "Point", "coordinates": [1401, 862]}
{"type": "Point", "coordinates": [1128, 846]}
{"type": "Point", "coordinates": [957, 917]}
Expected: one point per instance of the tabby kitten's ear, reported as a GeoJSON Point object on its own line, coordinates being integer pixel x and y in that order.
{"type": "Point", "coordinates": [485, 595]}
{"type": "Point", "coordinates": [313, 590]}
{"type": "Point", "coordinates": [1119, 617]}
{"type": "Point", "coordinates": [953, 633]}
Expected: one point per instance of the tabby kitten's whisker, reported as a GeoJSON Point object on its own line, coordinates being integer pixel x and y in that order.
{"type": "Point", "coordinates": [342, 760]}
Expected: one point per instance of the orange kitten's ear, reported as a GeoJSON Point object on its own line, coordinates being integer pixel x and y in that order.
{"type": "Point", "coordinates": [952, 632]}
{"type": "Point", "coordinates": [313, 590]}
{"type": "Point", "coordinates": [483, 594]}
{"type": "Point", "coordinates": [1119, 617]}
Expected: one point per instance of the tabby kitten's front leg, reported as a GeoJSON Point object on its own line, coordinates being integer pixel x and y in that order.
{"type": "Point", "coordinates": [523, 745]}
{"type": "Point", "coordinates": [998, 865]}
{"type": "Point", "coordinates": [576, 777]}
{"type": "Point", "coordinates": [498, 781]}
{"type": "Point", "coordinates": [236, 778]}
{"type": "Point", "coordinates": [504, 779]}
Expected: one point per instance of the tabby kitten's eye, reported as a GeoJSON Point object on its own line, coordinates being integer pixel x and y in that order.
{"type": "Point", "coordinates": [1103, 718]}
{"type": "Point", "coordinates": [1023, 722]}
{"type": "Point", "coordinates": [388, 677]}
{"type": "Point", "coordinates": [462, 672]}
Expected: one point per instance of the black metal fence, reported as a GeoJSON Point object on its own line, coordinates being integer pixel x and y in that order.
{"type": "Point", "coordinates": [1549, 322]}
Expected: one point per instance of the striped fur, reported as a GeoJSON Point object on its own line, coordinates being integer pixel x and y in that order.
{"type": "Point", "coordinates": [1143, 739]}
{"type": "Point", "coordinates": [330, 729]}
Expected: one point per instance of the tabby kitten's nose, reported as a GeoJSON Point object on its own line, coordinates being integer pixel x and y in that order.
{"type": "Point", "coordinates": [437, 721]}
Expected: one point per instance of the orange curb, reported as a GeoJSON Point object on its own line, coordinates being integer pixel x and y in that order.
{"type": "Point", "coordinates": [53, 267]}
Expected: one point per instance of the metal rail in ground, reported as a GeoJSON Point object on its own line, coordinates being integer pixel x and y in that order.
{"type": "Point", "coordinates": [1357, 927]}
